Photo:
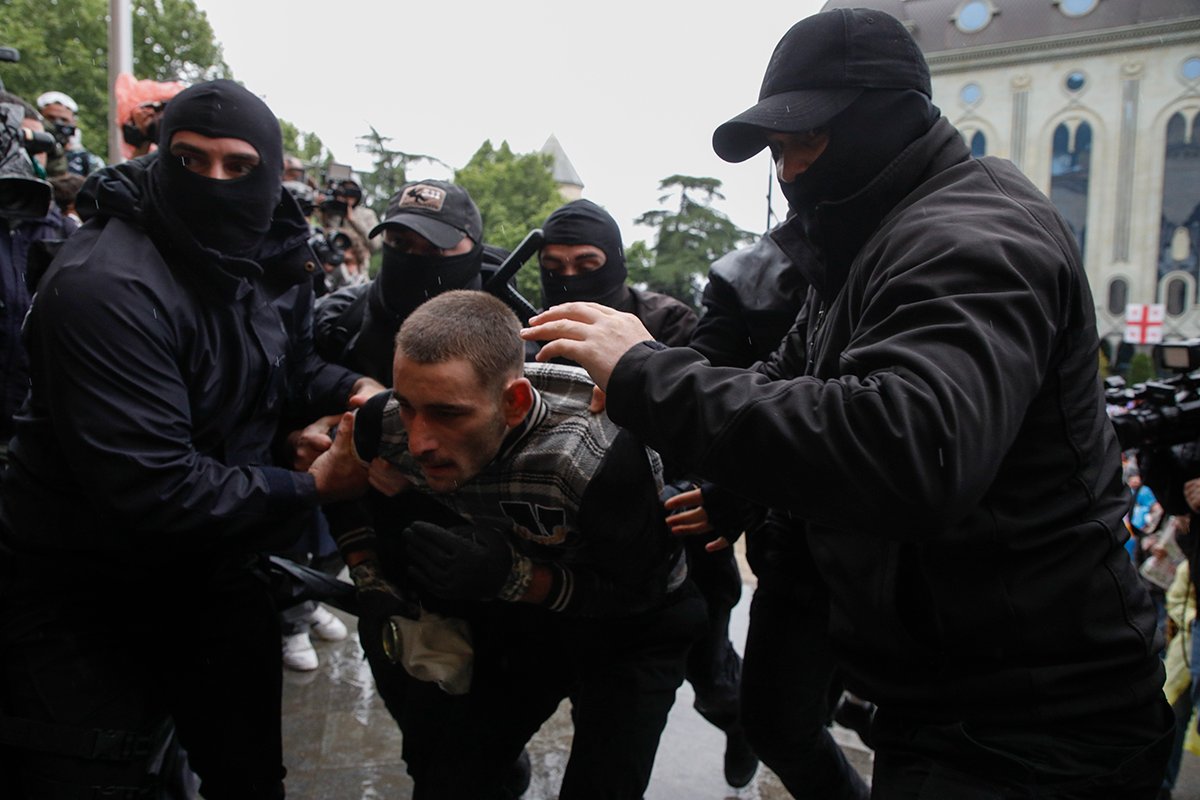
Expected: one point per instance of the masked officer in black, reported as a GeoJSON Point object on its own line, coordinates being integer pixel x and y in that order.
{"type": "Point", "coordinates": [583, 259]}
{"type": "Point", "coordinates": [933, 431]}
{"type": "Point", "coordinates": [166, 340]}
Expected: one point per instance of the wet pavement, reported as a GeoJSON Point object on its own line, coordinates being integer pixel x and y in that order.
{"type": "Point", "coordinates": [339, 741]}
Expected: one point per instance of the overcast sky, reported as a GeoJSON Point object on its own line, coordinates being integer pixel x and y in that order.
{"type": "Point", "coordinates": [632, 90]}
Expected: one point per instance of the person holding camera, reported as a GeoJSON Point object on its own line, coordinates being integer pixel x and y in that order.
{"type": "Point", "coordinates": [934, 431]}
{"type": "Point", "coordinates": [340, 209]}
{"type": "Point", "coordinates": [59, 110]}
{"type": "Point", "coordinates": [29, 223]}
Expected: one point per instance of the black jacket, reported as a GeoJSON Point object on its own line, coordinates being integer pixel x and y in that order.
{"type": "Point", "coordinates": [751, 300]}
{"type": "Point", "coordinates": [15, 246]}
{"type": "Point", "coordinates": [158, 382]}
{"type": "Point", "coordinates": [937, 423]}
{"type": "Point", "coordinates": [668, 320]}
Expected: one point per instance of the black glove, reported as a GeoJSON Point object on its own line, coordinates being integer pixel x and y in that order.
{"type": "Point", "coordinates": [727, 512]}
{"type": "Point", "coordinates": [463, 563]}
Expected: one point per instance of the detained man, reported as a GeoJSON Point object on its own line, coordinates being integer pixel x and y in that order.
{"type": "Point", "coordinates": [559, 557]}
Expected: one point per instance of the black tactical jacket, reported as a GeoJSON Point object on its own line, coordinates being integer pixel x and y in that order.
{"type": "Point", "coordinates": [936, 423]}
{"type": "Point", "coordinates": [158, 383]}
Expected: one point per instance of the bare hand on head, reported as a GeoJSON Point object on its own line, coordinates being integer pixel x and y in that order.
{"type": "Point", "coordinates": [338, 473]}
{"type": "Point", "coordinates": [312, 440]}
{"type": "Point", "coordinates": [364, 389]}
{"type": "Point", "coordinates": [591, 335]}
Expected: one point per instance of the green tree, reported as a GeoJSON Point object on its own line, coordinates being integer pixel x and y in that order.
{"type": "Point", "coordinates": [306, 146]}
{"type": "Point", "coordinates": [1141, 369]}
{"type": "Point", "coordinates": [690, 238]}
{"type": "Point", "coordinates": [515, 193]}
{"type": "Point", "coordinates": [173, 41]}
{"type": "Point", "coordinates": [389, 169]}
{"type": "Point", "coordinates": [64, 47]}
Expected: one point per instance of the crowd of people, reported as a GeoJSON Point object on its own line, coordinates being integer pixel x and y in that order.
{"type": "Point", "coordinates": [893, 395]}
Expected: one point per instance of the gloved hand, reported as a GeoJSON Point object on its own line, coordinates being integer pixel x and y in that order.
{"type": "Point", "coordinates": [464, 563]}
{"type": "Point", "coordinates": [377, 596]}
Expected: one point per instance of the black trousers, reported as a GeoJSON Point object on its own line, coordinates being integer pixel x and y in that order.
{"type": "Point", "coordinates": [1114, 757]}
{"type": "Point", "coordinates": [789, 675]}
{"type": "Point", "coordinates": [620, 675]}
{"type": "Point", "coordinates": [713, 667]}
{"type": "Point", "coordinates": [113, 644]}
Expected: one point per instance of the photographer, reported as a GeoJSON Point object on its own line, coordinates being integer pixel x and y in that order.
{"type": "Point", "coordinates": [339, 208]}
{"type": "Point", "coordinates": [21, 225]}
{"type": "Point", "coordinates": [60, 110]}
{"type": "Point", "coordinates": [140, 106]}
{"type": "Point", "coordinates": [344, 262]}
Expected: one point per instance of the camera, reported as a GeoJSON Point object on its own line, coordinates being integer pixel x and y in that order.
{"type": "Point", "coordinates": [22, 194]}
{"type": "Point", "coordinates": [330, 247]}
{"type": "Point", "coordinates": [61, 132]}
{"type": "Point", "coordinates": [340, 187]}
{"type": "Point", "coordinates": [1163, 412]}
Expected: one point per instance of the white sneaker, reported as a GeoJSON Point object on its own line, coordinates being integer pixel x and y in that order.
{"type": "Point", "coordinates": [326, 625]}
{"type": "Point", "coordinates": [298, 653]}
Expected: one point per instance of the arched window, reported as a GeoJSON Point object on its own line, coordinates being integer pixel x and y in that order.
{"type": "Point", "coordinates": [978, 144]}
{"type": "Point", "coordinates": [1118, 295]}
{"type": "Point", "coordinates": [1070, 171]}
{"type": "Point", "coordinates": [1180, 224]}
{"type": "Point", "coordinates": [1176, 296]}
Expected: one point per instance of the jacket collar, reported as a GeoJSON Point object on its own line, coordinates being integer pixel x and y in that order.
{"type": "Point", "coordinates": [824, 243]}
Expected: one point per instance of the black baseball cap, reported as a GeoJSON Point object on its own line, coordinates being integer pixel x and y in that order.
{"type": "Point", "coordinates": [439, 211]}
{"type": "Point", "coordinates": [821, 66]}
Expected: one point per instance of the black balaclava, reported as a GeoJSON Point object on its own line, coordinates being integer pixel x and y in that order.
{"type": "Point", "coordinates": [406, 280]}
{"type": "Point", "coordinates": [584, 222]}
{"type": "Point", "coordinates": [863, 139]}
{"type": "Point", "coordinates": [231, 217]}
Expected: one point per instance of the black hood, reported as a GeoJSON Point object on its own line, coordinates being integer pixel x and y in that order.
{"type": "Point", "coordinates": [120, 191]}
{"type": "Point", "coordinates": [584, 222]}
{"type": "Point", "coordinates": [231, 215]}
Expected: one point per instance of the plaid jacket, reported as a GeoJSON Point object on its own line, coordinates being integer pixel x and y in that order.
{"type": "Point", "coordinates": [574, 490]}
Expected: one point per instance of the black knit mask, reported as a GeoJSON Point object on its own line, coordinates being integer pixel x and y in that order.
{"type": "Point", "coordinates": [584, 222]}
{"type": "Point", "coordinates": [406, 279]}
{"type": "Point", "coordinates": [231, 217]}
{"type": "Point", "coordinates": [863, 139]}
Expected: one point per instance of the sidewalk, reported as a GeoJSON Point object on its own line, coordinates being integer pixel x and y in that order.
{"type": "Point", "coordinates": [339, 741]}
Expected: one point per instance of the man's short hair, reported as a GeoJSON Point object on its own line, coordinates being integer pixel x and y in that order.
{"type": "Point", "coordinates": [467, 324]}
{"type": "Point", "coordinates": [66, 188]}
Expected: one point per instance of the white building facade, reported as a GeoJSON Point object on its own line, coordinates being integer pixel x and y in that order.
{"type": "Point", "coordinates": [1098, 102]}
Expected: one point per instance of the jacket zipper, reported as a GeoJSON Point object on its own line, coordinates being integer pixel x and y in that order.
{"type": "Point", "coordinates": [812, 340]}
